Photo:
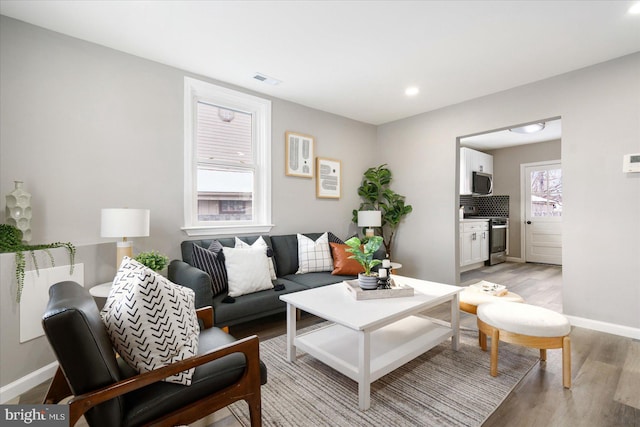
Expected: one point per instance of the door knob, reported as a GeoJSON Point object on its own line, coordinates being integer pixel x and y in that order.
{"type": "Point", "coordinates": [528, 222]}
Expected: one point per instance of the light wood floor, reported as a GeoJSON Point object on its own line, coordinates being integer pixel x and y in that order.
{"type": "Point", "coordinates": [605, 368]}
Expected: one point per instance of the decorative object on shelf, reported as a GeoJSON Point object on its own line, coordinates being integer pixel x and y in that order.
{"type": "Point", "coordinates": [363, 254]}
{"type": "Point", "coordinates": [368, 220]}
{"type": "Point", "coordinates": [18, 210]}
{"type": "Point", "coordinates": [383, 279]}
{"type": "Point", "coordinates": [153, 260]}
{"type": "Point", "coordinates": [299, 150]}
{"type": "Point", "coordinates": [393, 291]}
{"type": "Point", "coordinates": [11, 241]}
{"type": "Point", "coordinates": [328, 178]}
{"type": "Point", "coordinates": [377, 195]}
{"type": "Point", "coordinates": [124, 223]}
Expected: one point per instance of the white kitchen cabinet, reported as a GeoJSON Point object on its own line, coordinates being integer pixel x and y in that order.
{"type": "Point", "coordinates": [474, 242]}
{"type": "Point", "coordinates": [472, 161]}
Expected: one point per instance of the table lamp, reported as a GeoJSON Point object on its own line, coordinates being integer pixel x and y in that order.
{"type": "Point", "coordinates": [369, 219]}
{"type": "Point", "coordinates": [124, 223]}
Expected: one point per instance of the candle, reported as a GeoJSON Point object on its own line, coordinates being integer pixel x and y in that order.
{"type": "Point", "coordinates": [386, 263]}
{"type": "Point", "coordinates": [382, 273]}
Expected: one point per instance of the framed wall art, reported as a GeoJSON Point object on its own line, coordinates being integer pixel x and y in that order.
{"type": "Point", "coordinates": [328, 178]}
{"type": "Point", "coordinates": [299, 155]}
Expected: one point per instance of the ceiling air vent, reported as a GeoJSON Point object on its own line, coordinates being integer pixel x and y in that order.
{"type": "Point", "coordinates": [266, 79]}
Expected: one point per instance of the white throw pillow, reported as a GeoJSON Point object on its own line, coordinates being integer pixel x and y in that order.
{"type": "Point", "coordinates": [247, 270]}
{"type": "Point", "coordinates": [314, 256]}
{"type": "Point", "coordinates": [151, 321]}
{"type": "Point", "coordinates": [259, 243]}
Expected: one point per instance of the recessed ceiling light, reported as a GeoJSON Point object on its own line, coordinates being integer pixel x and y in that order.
{"type": "Point", "coordinates": [412, 91]}
{"type": "Point", "coordinates": [532, 128]}
{"type": "Point", "coordinates": [635, 9]}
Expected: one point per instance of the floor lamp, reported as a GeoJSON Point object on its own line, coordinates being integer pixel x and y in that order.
{"type": "Point", "coordinates": [124, 223]}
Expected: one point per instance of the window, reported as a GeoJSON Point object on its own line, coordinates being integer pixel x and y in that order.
{"type": "Point", "coordinates": [546, 193]}
{"type": "Point", "coordinates": [227, 161]}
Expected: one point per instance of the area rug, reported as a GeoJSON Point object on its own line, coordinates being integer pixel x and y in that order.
{"type": "Point", "coordinates": [440, 388]}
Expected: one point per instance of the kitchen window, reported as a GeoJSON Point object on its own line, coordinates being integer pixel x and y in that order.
{"type": "Point", "coordinates": [227, 185]}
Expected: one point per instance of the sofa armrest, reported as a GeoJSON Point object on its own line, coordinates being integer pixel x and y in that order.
{"type": "Point", "coordinates": [187, 275]}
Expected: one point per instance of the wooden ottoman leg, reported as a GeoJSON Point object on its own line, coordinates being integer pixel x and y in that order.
{"type": "Point", "coordinates": [495, 337]}
{"type": "Point", "coordinates": [566, 362]}
{"type": "Point", "coordinates": [482, 340]}
{"type": "Point", "coordinates": [543, 354]}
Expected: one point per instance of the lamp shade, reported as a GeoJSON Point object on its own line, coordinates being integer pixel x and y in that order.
{"type": "Point", "coordinates": [124, 223]}
{"type": "Point", "coordinates": [369, 218]}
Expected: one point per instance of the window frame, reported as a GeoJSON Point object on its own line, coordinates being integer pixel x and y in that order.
{"type": "Point", "coordinates": [260, 108]}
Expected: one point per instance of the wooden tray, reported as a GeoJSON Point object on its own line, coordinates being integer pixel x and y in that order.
{"type": "Point", "coordinates": [359, 294]}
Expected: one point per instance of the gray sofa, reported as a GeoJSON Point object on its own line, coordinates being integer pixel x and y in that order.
{"type": "Point", "coordinates": [258, 304]}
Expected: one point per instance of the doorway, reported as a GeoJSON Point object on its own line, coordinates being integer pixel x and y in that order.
{"type": "Point", "coordinates": [542, 199]}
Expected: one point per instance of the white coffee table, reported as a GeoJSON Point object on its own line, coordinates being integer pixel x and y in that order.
{"type": "Point", "coordinates": [370, 338]}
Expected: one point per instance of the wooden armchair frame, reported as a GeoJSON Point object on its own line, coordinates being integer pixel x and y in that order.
{"type": "Point", "coordinates": [247, 388]}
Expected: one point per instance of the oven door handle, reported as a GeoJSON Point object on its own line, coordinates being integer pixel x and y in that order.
{"type": "Point", "coordinates": [499, 226]}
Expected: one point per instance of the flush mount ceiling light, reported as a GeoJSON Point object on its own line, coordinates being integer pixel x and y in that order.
{"type": "Point", "coordinates": [532, 128]}
{"type": "Point", "coordinates": [412, 91]}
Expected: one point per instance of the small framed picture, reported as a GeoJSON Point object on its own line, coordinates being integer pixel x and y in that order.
{"type": "Point", "coordinates": [299, 155]}
{"type": "Point", "coordinates": [328, 178]}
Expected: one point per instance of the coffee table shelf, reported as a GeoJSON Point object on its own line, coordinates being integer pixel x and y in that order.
{"type": "Point", "coordinates": [391, 346]}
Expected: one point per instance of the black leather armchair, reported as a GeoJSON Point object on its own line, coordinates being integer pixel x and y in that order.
{"type": "Point", "coordinates": [109, 393]}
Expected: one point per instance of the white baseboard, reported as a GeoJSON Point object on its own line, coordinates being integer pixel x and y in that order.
{"type": "Point", "coordinates": [610, 328]}
{"type": "Point", "coordinates": [514, 259]}
{"type": "Point", "coordinates": [29, 381]}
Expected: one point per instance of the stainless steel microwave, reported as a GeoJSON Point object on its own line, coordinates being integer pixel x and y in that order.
{"type": "Point", "coordinates": [482, 184]}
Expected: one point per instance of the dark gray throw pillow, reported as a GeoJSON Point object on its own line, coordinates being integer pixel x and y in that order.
{"type": "Point", "coordinates": [212, 263]}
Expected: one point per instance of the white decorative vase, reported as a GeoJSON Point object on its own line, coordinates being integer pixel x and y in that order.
{"type": "Point", "coordinates": [367, 283]}
{"type": "Point", "coordinates": [18, 211]}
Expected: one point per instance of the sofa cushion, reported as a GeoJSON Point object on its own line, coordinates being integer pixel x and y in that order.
{"type": "Point", "coordinates": [314, 256]}
{"type": "Point", "coordinates": [253, 306]}
{"type": "Point", "coordinates": [213, 264]}
{"type": "Point", "coordinates": [342, 263]}
{"type": "Point", "coordinates": [151, 321]}
{"type": "Point", "coordinates": [247, 269]}
{"type": "Point", "coordinates": [285, 248]}
{"type": "Point", "coordinates": [314, 280]}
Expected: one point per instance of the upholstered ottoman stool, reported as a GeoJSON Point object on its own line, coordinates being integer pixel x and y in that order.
{"type": "Point", "coordinates": [525, 325]}
{"type": "Point", "coordinates": [470, 299]}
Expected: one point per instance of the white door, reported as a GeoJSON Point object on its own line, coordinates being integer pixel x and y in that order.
{"type": "Point", "coordinates": [543, 213]}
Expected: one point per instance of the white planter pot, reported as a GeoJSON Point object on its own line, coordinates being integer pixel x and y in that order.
{"type": "Point", "coordinates": [367, 282]}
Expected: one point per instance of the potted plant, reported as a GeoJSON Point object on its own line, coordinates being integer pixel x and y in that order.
{"type": "Point", "coordinates": [152, 259]}
{"type": "Point", "coordinates": [363, 254]}
{"type": "Point", "coordinates": [377, 195]}
{"type": "Point", "coordinates": [11, 241]}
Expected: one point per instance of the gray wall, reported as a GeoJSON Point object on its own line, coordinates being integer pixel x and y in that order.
{"type": "Point", "coordinates": [506, 179]}
{"type": "Point", "coordinates": [600, 110]}
{"type": "Point", "coordinates": [86, 127]}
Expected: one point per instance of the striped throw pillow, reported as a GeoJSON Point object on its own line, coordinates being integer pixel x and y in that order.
{"type": "Point", "coordinates": [212, 263]}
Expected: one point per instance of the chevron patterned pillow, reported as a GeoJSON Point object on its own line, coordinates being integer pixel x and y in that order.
{"type": "Point", "coordinates": [151, 321]}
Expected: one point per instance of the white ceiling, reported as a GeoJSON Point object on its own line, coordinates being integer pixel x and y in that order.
{"type": "Point", "coordinates": [355, 58]}
{"type": "Point", "coordinates": [505, 138]}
